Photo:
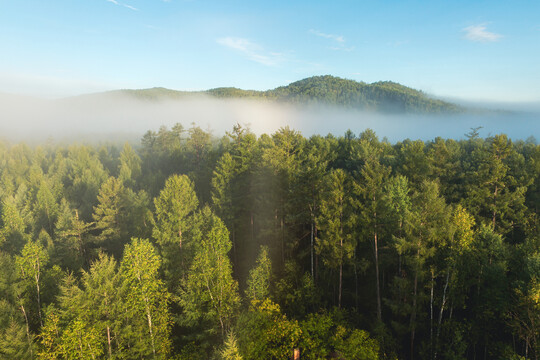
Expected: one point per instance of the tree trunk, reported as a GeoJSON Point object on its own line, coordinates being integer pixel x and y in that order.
{"type": "Point", "coordinates": [431, 315]}
{"type": "Point", "coordinates": [316, 259]}
{"type": "Point", "coordinates": [109, 341]}
{"type": "Point", "coordinates": [355, 283]}
{"type": "Point", "coordinates": [413, 312]}
{"type": "Point", "coordinates": [233, 233]}
{"type": "Point", "coordinates": [494, 209]}
{"type": "Point", "coordinates": [27, 331]}
{"type": "Point", "coordinates": [252, 229]}
{"type": "Point", "coordinates": [149, 317]}
{"type": "Point", "coordinates": [311, 249]}
{"type": "Point", "coordinates": [282, 241]}
{"type": "Point", "coordinates": [38, 296]}
{"type": "Point", "coordinates": [340, 272]}
{"type": "Point", "coordinates": [443, 303]}
{"type": "Point", "coordinates": [376, 249]}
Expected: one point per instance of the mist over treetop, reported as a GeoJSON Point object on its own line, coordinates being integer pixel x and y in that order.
{"type": "Point", "coordinates": [317, 105]}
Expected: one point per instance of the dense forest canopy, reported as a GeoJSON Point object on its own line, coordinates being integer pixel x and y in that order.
{"type": "Point", "coordinates": [187, 246]}
{"type": "Point", "coordinates": [382, 96]}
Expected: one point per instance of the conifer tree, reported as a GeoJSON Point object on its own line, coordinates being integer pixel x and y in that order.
{"type": "Point", "coordinates": [111, 215]}
{"type": "Point", "coordinates": [130, 166]}
{"type": "Point", "coordinates": [209, 294]}
{"type": "Point", "coordinates": [369, 188]}
{"type": "Point", "coordinates": [335, 242]}
{"type": "Point", "coordinates": [171, 224]}
{"type": "Point", "coordinates": [258, 283]}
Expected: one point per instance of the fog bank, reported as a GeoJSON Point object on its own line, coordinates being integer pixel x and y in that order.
{"type": "Point", "coordinates": [122, 117]}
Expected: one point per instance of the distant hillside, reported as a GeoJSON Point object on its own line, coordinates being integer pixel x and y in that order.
{"type": "Point", "coordinates": [383, 96]}
{"type": "Point", "coordinates": [380, 96]}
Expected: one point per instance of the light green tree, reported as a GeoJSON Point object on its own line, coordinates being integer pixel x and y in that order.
{"type": "Point", "coordinates": [258, 283]}
{"type": "Point", "coordinates": [130, 166]}
{"type": "Point", "coordinates": [209, 293]}
{"type": "Point", "coordinates": [111, 215]}
{"type": "Point", "coordinates": [172, 221]}
{"type": "Point", "coordinates": [31, 264]}
{"type": "Point", "coordinates": [146, 299]}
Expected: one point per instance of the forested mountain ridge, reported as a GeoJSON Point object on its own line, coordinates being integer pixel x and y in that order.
{"type": "Point", "coordinates": [382, 96]}
{"type": "Point", "coordinates": [247, 247]}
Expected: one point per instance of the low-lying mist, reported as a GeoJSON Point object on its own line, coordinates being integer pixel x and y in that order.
{"type": "Point", "coordinates": [119, 117]}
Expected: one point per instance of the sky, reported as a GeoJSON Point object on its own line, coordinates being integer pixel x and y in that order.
{"type": "Point", "coordinates": [471, 50]}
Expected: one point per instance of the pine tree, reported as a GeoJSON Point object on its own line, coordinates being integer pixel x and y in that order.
{"type": "Point", "coordinates": [209, 294]}
{"type": "Point", "coordinates": [110, 216]}
{"type": "Point", "coordinates": [369, 188]}
{"type": "Point", "coordinates": [258, 283]}
{"type": "Point", "coordinates": [230, 349]}
{"type": "Point", "coordinates": [130, 167]}
{"type": "Point", "coordinates": [335, 242]}
{"type": "Point", "coordinates": [172, 221]}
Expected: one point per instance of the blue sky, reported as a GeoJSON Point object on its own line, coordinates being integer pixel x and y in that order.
{"type": "Point", "coordinates": [477, 50]}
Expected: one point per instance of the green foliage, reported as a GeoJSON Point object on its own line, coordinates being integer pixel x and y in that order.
{"type": "Point", "coordinates": [259, 278]}
{"type": "Point", "coordinates": [209, 294]}
{"type": "Point", "coordinates": [356, 344]}
{"type": "Point", "coordinates": [15, 342]}
{"type": "Point", "coordinates": [452, 226]}
{"type": "Point", "coordinates": [146, 299]}
{"type": "Point", "coordinates": [130, 166]}
{"type": "Point", "coordinates": [171, 222]}
{"type": "Point", "coordinates": [336, 240]}
{"type": "Point", "coordinates": [296, 291]}
{"type": "Point", "coordinates": [73, 240]}
{"type": "Point", "coordinates": [176, 201]}
{"type": "Point", "coordinates": [265, 333]}
{"type": "Point", "coordinates": [111, 216]}
{"type": "Point", "coordinates": [230, 349]}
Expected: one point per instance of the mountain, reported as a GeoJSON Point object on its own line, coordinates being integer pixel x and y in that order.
{"type": "Point", "coordinates": [383, 96]}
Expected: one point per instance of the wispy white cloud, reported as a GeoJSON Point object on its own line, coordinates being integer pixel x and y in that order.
{"type": "Point", "coordinates": [130, 7]}
{"type": "Point", "coordinates": [115, 2]}
{"type": "Point", "coordinates": [478, 33]}
{"type": "Point", "coordinates": [252, 51]}
{"type": "Point", "coordinates": [338, 38]}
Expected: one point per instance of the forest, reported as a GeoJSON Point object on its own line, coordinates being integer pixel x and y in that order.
{"type": "Point", "coordinates": [190, 246]}
{"type": "Point", "coordinates": [381, 96]}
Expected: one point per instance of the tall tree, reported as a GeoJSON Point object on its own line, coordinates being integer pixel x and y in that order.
{"type": "Point", "coordinates": [111, 215]}
{"type": "Point", "coordinates": [258, 283]}
{"type": "Point", "coordinates": [101, 302]}
{"type": "Point", "coordinates": [494, 194]}
{"type": "Point", "coordinates": [147, 298]}
{"type": "Point", "coordinates": [31, 264]}
{"type": "Point", "coordinates": [369, 187]}
{"type": "Point", "coordinates": [73, 239]}
{"type": "Point", "coordinates": [172, 221]}
{"type": "Point", "coordinates": [336, 241]}
{"type": "Point", "coordinates": [209, 293]}
{"type": "Point", "coordinates": [130, 166]}
{"type": "Point", "coordinates": [425, 228]}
